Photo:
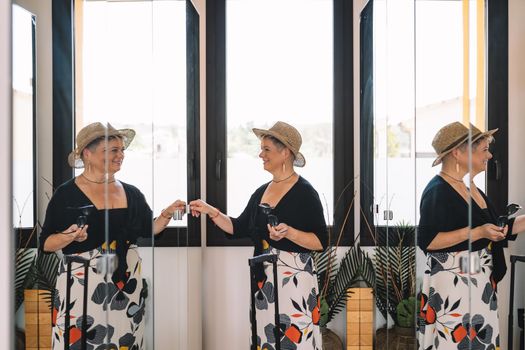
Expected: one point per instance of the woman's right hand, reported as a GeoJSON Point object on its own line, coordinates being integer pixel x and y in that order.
{"type": "Point", "coordinates": [492, 232]}
{"type": "Point", "coordinates": [199, 206]}
{"type": "Point", "coordinates": [78, 234]}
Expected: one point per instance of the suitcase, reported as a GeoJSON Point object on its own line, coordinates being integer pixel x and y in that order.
{"type": "Point", "coordinates": [260, 259]}
{"type": "Point", "coordinates": [513, 260]}
{"type": "Point", "coordinates": [76, 259]}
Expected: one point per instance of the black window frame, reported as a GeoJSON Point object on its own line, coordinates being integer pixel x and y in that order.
{"type": "Point", "coordinates": [343, 123]}
{"type": "Point", "coordinates": [497, 113]}
{"type": "Point", "coordinates": [64, 114]}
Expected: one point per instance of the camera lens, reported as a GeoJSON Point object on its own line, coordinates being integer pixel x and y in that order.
{"type": "Point", "coordinates": [81, 221]}
{"type": "Point", "coordinates": [272, 220]}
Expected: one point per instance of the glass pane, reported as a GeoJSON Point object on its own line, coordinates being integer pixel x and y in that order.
{"type": "Point", "coordinates": [140, 83]}
{"type": "Point", "coordinates": [23, 118]}
{"type": "Point", "coordinates": [282, 73]}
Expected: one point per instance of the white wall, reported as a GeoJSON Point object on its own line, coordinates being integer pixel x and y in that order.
{"type": "Point", "coordinates": [6, 239]}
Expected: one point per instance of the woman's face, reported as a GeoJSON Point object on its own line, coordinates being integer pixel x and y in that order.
{"type": "Point", "coordinates": [272, 157]}
{"type": "Point", "coordinates": [480, 157]}
{"type": "Point", "coordinates": [112, 149]}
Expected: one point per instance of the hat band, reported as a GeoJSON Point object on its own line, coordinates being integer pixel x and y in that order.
{"type": "Point", "coordinates": [457, 143]}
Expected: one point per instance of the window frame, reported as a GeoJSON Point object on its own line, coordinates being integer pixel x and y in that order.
{"type": "Point", "coordinates": [343, 122]}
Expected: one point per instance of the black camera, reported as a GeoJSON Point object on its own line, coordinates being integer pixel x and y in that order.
{"type": "Point", "coordinates": [266, 210]}
{"type": "Point", "coordinates": [83, 213]}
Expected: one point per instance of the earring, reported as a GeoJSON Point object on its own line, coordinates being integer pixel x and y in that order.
{"type": "Point", "coordinates": [284, 168]}
{"type": "Point", "coordinates": [457, 166]}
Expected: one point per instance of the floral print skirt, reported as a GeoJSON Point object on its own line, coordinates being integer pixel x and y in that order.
{"type": "Point", "coordinates": [115, 312]}
{"type": "Point", "coordinates": [458, 311]}
{"type": "Point", "coordinates": [298, 303]}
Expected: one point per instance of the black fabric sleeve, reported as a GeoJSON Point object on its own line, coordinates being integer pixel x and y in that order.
{"type": "Point", "coordinates": [432, 213]}
{"type": "Point", "coordinates": [315, 217]}
{"type": "Point", "coordinates": [50, 222]}
{"type": "Point", "coordinates": [241, 223]}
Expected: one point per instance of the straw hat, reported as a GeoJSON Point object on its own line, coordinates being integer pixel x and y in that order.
{"type": "Point", "coordinates": [453, 135]}
{"type": "Point", "coordinates": [94, 131]}
{"type": "Point", "coordinates": [289, 136]}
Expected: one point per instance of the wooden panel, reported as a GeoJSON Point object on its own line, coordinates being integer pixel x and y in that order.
{"type": "Point", "coordinates": [35, 329]}
{"type": "Point", "coordinates": [366, 339]}
{"type": "Point", "coordinates": [360, 319]}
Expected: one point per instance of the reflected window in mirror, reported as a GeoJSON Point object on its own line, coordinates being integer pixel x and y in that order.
{"type": "Point", "coordinates": [412, 84]}
{"type": "Point", "coordinates": [24, 112]}
{"type": "Point", "coordinates": [132, 64]}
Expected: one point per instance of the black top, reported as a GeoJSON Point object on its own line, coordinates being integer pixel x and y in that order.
{"type": "Point", "coordinates": [125, 225]}
{"type": "Point", "coordinates": [443, 209]}
{"type": "Point", "coordinates": [300, 208]}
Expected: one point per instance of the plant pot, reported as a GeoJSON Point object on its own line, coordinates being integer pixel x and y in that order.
{"type": "Point", "coordinates": [396, 338]}
{"type": "Point", "coordinates": [330, 340]}
{"type": "Point", "coordinates": [37, 320]}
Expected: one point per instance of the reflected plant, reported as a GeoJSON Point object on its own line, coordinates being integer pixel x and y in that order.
{"type": "Point", "coordinates": [336, 277]}
{"type": "Point", "coordinates": [33, 269]}
{"type": "Point", "coordinates": [395, 266]}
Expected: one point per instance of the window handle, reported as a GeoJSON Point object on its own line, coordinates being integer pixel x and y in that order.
{"type": "Point", "coordinates": [497, 165]}
{"type": "Point", "coordinates": [218, 164]}
{"type": "Point", "coordinates": [191, 167]}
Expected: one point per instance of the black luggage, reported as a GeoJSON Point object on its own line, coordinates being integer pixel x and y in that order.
{"type": "Point", "coordinates": [513, 260]}
{"type": "Point", "coordinates": [253, 262]}
{"type": "Point", "coordinates": [76, 259]}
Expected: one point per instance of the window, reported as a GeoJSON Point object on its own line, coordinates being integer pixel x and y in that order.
{"type": "Point", "coordinates": [283, 72]}
{"type": "Point", "coordinates": [259, 73]}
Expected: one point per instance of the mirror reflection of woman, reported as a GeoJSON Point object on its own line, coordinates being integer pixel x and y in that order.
{"type": "Point", "coordinates": [301, 229]}
{"type": "Point", "coordinates": [458, 311]}
{"type": "Point", "coordinates": [100, 152]}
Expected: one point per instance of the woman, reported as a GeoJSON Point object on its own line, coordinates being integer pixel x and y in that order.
{"type": "Point", "coordinates": [458, 310]}
{"type": "Point", "coordinates": [301, 229]}
{"type": "Point", "coordinates": [76, 224]}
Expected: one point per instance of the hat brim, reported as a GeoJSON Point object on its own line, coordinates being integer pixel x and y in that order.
{"type": "Point", "coordinates": [75, 161]}
{"type": "Point", "coordinates": [440, 157]}
{"type": "Point", "coordinates": [299, 161]}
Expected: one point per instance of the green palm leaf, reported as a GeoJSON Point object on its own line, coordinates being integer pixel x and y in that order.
{"type": "Point", "coordinates": [24, 262]}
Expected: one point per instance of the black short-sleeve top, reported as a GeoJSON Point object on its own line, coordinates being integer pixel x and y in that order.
{"type": "Point", "coordinates": [443, 209]}
{"type": "Point", "coordinates": [300, 208]}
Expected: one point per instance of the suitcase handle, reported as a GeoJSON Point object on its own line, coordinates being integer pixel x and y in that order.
{"type": "Point", "coordinates": [513, 260]}
{"type": "Point", "coordinates": [69, 259]}
{"type": "Point", "coordinates": [271, 258]}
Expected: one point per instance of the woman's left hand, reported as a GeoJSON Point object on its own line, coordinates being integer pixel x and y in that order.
{"type": "Point", "coordinates": [177, 205]}
{"type": "Point", "coordinates": [280, 231]}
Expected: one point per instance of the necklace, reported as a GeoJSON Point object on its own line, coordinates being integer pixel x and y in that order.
{"type": "Point", "coordinates": [450, 176]}
{"type": "Point", "coordinates": [97, 182]}
{"type": "Point", "coordinates": [286, 178]}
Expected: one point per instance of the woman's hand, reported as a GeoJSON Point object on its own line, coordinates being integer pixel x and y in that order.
{"type": "Point", "coordinates": [198, 207]}
{"type": "Point", "coordinates": [173, 207]}
{"type": "Point", "coordinates": [280, 231]}
{"type": "Point", "coordinates": [78, 234]}
{"type": "Point", "coordinates": [492, 232]}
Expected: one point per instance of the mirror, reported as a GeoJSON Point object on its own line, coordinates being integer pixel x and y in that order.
{"type": "Point", "coordinates": [136, 66]}
{"type": "Point", "coordinates": [24, 114]}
